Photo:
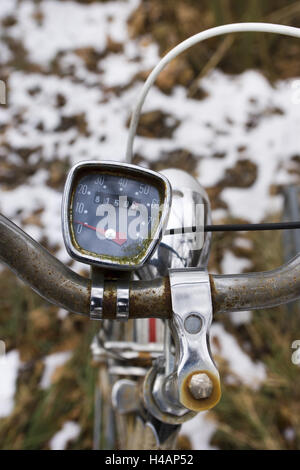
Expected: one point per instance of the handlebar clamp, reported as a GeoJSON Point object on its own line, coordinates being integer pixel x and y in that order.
{"type": "Point", "coordinates": [97, 297]}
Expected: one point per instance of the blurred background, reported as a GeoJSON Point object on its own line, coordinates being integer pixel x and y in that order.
{"type": "Point", "coordinates": [227, 111]}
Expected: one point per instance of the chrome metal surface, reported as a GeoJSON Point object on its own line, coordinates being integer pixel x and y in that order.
{"type": "Point", "coordinates": [193, 323]}
{"type": "Point", "coordinates": [130, 370]}
{"type": "Point", "coordinates": [122, 313]}
{"type": "Point", "coordinates": [124, 350]}
{"type": "Point", "coordinates": [182, 250]}
{"type": "Point", "coordinates": [130, 346]}
{"type": "Point", "coordinates": [152, 404]}
{"type": "Point", "coordinates": [98, 352]}
{"type": "Point", "coordinates": [125, 396]}
{"type": "Point", "coordinates": [168, 349]}
{"type": "Point", "coordinates": [67, 196]}
{"type": "Point", "coordinates": [165, 392]}
{"type": "Point", "coordinates": [97, 292]}
{"type": "Point", "coordinates": [191, 298]}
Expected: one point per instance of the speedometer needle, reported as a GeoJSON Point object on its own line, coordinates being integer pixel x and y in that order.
{"type": "Point", "coordinates": [120, 238]}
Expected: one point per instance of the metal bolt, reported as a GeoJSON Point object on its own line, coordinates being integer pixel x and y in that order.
{"type": "Point", "coordinates": [193, 323]}
{"type": "Point", "coordinates": [200, 386]}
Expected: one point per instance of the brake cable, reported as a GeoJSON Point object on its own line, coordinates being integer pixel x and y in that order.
{"type": "Point", "coordinates": [235, 227]}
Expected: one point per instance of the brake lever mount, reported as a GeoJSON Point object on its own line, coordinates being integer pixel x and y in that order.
{"type": "Point", "coordinates": [192, 383]}
{"type": "Point", "coordinates": [197, 376]}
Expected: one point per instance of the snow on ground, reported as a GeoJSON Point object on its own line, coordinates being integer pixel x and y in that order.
{"type": "Point", "coordinates": [52, 362]}
{"type": "Point", "coordinates": [241, 318]}
{"type": "Point", "coordinates": [200, 430]}
{"type": "Point", "coordinates": [9, 367]}
{"type": "Point", "coordinates": [243, 368]}
{"type": "Point", "coordinates": [218, 124]}
{"type": "Point", "coordinates": [69, 432]}
{"type": "Point", "coordinates": [241, 242]}
{"type": "Point", "coordinates": [64, 22]}
{"type": "Point", "coordinates": [232, 264]}
{"type": "Point", "coordinates": [269, 146]}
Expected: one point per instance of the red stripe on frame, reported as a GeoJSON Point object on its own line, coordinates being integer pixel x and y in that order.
{"type": "Point", "coordinates": [152, 330]}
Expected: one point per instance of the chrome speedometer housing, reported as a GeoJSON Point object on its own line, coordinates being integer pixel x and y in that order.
{"type": "Point", "coordinates": [114, 214]}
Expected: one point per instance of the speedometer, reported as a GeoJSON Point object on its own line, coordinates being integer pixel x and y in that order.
{"type": "Point", "coordinates": [114, 213]}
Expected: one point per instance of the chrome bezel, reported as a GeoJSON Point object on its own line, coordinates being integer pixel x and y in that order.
{"type": "Point", "coordinates": [127, 169]}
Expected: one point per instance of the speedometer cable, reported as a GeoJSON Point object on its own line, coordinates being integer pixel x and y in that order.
{"type": "Point", "coordinates": [236, 227]}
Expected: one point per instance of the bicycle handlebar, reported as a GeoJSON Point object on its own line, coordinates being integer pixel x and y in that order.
{"type": "Point", "coordinates": [61, 286]}
{"type": "Point", "coordinates": [45, 274]}
{"type": "Point", "coordinates": [233, 293]}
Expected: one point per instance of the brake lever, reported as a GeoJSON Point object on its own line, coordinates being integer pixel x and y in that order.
{"type": "Point", "coordinates": [197, 377]}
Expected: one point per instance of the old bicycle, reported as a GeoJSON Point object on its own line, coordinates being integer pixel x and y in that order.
{"type": "Point", "coordinates": [149, 286]}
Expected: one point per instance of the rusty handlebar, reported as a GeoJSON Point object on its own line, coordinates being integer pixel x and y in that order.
{"type": "Point", "coordinates": [61, 286]}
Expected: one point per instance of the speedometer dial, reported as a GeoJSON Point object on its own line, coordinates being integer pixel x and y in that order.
{"type": "Point", "coordinates": [113, 214]}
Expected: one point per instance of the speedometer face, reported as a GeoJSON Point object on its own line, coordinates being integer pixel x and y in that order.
{"type": "Point", "coordinates": [114, 213]}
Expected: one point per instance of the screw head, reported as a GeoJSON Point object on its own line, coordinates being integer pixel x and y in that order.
{"type": "Point", "coordinates": [200, 386]}
{"type": "Point", "coordinates": [193, 323]}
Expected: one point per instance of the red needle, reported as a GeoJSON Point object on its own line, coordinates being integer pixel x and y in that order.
{"type": "Point", "coordinates": [120, 237]}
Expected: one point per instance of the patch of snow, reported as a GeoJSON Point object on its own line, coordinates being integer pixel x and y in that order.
{"type": "Point", "coordinates": [112, 66]}
{"type": "Point", "coordinates": [9, 367]}
{"type": "Point", "coordinates": [289, 434]}
{"type": "Point", "coordinates": [5, 53]}
{"type": "Point", "coordinates": [69, 25]}
{"type": "Point", "coordinates": [214, 124]}
{"type": "Point", "coordinates": [241, 318]}
{"type": "Point", "coordinates": [250, 373]}
{"type": "Point", "coordinates": [232, 264]}
{"type": "Point", "coordinates": [8, 7]}
{"type": "Point", "coordinates": [69, 432]}
{"type": "Point", "coordinates": [242, 242]}
{"type": "Point", "coordinates": [200, 430]}
{"type": "Point", "coordinates": [28, 198]}
{"type": "Point", "coordinates": [218, 214]}
{"type": "Point", "coordinates": [62, 313]}
{"type": "Point", "coordinates": [218, 123]}
{"type": "Point", "coordinates": [252, 203]}
{"type": "Point", "coordinates": [51, 363]}
{"type": "Point", "coordinates": [119, 69]}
